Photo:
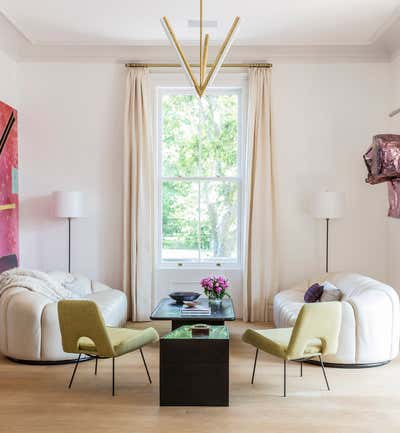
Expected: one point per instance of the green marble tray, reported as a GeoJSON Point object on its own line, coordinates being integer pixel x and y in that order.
{"type": "Point", "coordinates": [185, 333]}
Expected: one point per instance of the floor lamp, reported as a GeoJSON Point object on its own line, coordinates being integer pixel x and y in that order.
{"type": "Point", "coordinates": [328, 205]}
{"type": "Point", "coordinates": [68, 204]}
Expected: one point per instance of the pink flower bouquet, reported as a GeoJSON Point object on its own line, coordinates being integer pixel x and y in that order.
{"type": "Point", "coordinates": [215, 287]}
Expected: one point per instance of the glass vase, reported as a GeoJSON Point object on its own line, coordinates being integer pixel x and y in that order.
{"type": "Point", "coordinates": [216, 303]}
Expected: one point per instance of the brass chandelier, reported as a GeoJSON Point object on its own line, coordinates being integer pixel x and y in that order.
{"type": "Point", "coordinates": [206, 77]}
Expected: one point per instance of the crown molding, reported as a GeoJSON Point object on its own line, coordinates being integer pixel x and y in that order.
{"type": "Point", "coordinates": [381, 32]}
{"type": "Point", "coordinates": [395, 57]}
{"type": "Point", "coordinates": [384, 44]}
{"type": "Point", "coordinates": [12, 41]}
{"type": "Point", "coordinates": [186, 43]}
{"type": "Point", "coordinates": [390, 39]}
{"type": "Point", "coordinates": [238, 54]}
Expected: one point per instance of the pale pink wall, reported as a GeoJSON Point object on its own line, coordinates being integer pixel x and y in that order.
{"type": "Point", "coordinates": [71, 135]}
{"type": "Point", "coordinates": [324, 117]}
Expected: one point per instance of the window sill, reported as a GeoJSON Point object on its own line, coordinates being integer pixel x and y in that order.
{"type": "Point", "coordinates": [203, 266]}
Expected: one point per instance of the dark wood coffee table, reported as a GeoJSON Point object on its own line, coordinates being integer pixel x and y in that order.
{"type": "Point", "coordinates": [168, 309]}
{"type": "Point", "coordinates": [194, 370]}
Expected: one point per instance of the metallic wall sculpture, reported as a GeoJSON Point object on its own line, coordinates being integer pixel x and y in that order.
{"type": "Point", "coordinates": [383, 163]}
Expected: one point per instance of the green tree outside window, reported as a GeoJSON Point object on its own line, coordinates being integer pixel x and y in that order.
{"type": "Point", "coordinates": [200, 177]}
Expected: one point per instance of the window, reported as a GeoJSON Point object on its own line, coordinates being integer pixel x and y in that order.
{"type": "Point", "coordinates": [200, 179]}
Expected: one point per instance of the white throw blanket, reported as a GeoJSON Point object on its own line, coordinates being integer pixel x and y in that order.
{"type": "Point", "coordinates": [36, 281]}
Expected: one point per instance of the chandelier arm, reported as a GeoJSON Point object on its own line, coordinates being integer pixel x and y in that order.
{"type": "Point", "coordinates": [181, 54]}
{"type": "Point", "coordinates": [221, 53]}
{"type": "Point", "coordinates": [205, 55]}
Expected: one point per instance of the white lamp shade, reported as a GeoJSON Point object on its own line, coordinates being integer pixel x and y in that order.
{"type": "Point", "coordinates": [328, 204]}
{"type": "Point", "coordinates": [68, 204]}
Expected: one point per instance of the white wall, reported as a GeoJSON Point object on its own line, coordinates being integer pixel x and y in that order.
{"type": "Point", "coordinates": [71, 130]}
{"type": "Point", "coordinates": [325, 116]}
{"type": "Point", "coordinates": [8, 80]}
{"type": "Point", "coordinates": [394, 224]}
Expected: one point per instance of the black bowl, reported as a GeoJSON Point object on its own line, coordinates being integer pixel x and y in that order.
{"type": "Point", "coordinates": [181, 297]}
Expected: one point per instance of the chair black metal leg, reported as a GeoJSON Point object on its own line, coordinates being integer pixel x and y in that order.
{"type": "Point", "coordinates": [95, 367]}
{"type": "Point", "coordinates": [73, 374]}
{"type": "Point", "coordinates": [301, 368]}
{"type": "Point", "coordinates": [284, 377]}
{"type": "Point", "coordinates": [254, 367]}
{"type": "Point", "coordinates": [145, 365]}
{"type": "Point", "coordinates": [323, 370]}
{"type": "Point", "coordinates": [113, 376]}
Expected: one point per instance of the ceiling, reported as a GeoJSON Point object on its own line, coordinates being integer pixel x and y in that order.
{"type": "Point", "coordinates": [264, 22]}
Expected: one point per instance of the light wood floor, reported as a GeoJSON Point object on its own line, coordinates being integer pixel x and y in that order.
{"type": "Point", "coordinates": [35, 399]}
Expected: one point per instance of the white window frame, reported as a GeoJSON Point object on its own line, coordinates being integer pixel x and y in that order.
{"type": "Point", "coordinates": [169, 87]}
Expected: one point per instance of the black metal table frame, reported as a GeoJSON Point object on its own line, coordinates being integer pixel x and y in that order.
{"type": "Point", "coordinates": [177, 321]}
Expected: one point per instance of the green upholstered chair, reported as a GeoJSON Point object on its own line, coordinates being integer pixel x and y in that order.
{"type": "Point", "coordinates": [84, 332]}
{"type": "Point", "coordinates": [315, 334]}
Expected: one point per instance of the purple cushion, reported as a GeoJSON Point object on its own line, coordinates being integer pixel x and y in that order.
{"type": "Point", "coordinates": [313, 293]}
{"type": "Point", "coordinates": [8, 262]}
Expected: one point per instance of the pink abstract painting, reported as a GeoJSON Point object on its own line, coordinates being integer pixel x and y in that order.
{"type": "Point", "coordinates": [8, 181]}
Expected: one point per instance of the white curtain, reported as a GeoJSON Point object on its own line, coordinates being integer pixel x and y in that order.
{"type": "Point", "coordinates": [138, 238]}
{"type": "Point", "coordinates": [260, 248]}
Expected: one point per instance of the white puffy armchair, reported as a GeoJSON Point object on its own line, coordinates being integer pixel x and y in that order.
{"type": "Point", "coordinates": [29, 328]}
{"type": "Point", "coordinates": [370, 329]}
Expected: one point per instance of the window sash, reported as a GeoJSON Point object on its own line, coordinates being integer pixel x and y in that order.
{"type": "Point", "coordinates": [238, 179]}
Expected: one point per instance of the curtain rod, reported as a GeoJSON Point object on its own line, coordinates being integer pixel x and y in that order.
{"type": "Point", "coordinates": [196, 65]}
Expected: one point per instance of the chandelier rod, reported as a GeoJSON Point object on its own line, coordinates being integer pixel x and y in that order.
{"type": "Point", "coordinates": [201, 44]}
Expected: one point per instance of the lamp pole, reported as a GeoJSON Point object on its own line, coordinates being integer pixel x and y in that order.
{"type": "Point", "coordinates": [69, 245]}
{"type": "Point", "coordinates": [328, 205]}
{"type": "Point", "coordinates": [327, 247]}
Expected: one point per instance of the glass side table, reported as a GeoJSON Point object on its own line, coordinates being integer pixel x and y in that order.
{"type": "Point", "coordinates": [167, 309]}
